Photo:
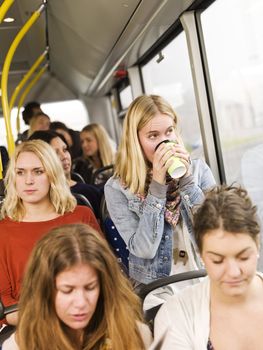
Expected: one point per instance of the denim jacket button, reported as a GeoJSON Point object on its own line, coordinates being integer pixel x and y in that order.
{"type": "Point", "coordinates": [186, 197]}
{"type": "Point", "coordinates": [165, 258]}
{"type": "Point", "coordinates": [158, 206]}
{"type": "Point", "coordinates": [166, 237]}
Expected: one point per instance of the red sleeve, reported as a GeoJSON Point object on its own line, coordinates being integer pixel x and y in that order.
{"type": "Point", "coordinates": [5, 283]}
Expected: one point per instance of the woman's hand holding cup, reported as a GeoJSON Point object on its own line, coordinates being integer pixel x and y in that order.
{"type": "Point", "coordinates": [170, 157]}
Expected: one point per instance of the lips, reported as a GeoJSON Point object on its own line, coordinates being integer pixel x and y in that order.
{"type": "Point", "coordinates": [233, 283]}
{"type": "Point", "coordinates": [79, 317]}
{"type": "Point", "coordinates": [30, 191]}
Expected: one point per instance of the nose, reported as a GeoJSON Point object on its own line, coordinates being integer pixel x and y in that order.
{"type": "Point", "coordinates": [80, 300]}
{"type": "Point", "coordinates": [233, 268]}
{"type": "Point", "coordinates": [29, 178]}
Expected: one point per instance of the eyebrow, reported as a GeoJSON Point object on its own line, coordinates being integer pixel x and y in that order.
{"type": "Point", "coordinates": [37, 168]}
{"type": "Point", "coordinates": [153, 131]}
{"type": "Point", "coordinates": [220, 255]}
{"type": "Point", "coordinates": [71, 285]}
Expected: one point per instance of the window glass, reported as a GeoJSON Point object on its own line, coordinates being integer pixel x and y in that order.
{"type": "Point", "coordinates": [233, 31]}
{"type": "Point", "coordinates": [126, 97]}
{"type": "Point", "coordinates": [73, 113]}
{"type": "Point", "coordinates": [169, 75]}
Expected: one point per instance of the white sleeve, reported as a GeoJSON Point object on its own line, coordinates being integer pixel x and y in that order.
{"type": "Point", "coordinates": [174, 323]}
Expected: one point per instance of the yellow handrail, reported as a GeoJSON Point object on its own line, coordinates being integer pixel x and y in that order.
{"type": "Point", "coordinates": [26, 91]}
{"type": "Point", "coordinates": [4, 80]}
{"type": "Point", "coordinates": [25, 79]}
{"type": "Point", "coordinates": [4, 8]}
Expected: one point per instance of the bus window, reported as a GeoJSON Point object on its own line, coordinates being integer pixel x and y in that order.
{"type": "Point", "coordinates": [233, 38]}
{"type": "Point", "coordinates": [125, 97]}
{"type": "Point", "coordinates": [73, 113]}
{"type": "Point", "coordinates": [169, 75]}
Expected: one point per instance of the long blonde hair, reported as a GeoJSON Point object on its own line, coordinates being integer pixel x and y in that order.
{"type": "Point", "coordinates": [130, 164]}
{"type": "Point", "coordinates": [118, 308]}
{"type": "Point", "coordinates": [105, 149]}
{"type": "Point", "coordinates": [59, 193]}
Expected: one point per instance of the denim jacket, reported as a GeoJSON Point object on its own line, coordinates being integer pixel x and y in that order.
{"type": "Point", "coordinates": [142, 226]}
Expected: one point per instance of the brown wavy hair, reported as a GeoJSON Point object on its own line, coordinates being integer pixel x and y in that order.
{"type": "Point", "coordinates": [228, 208]}
{"type": "Point", "coordinates": [118, 308]}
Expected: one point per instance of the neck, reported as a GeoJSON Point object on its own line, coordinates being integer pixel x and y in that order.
{"type": "Point", "coordinates": [39, 211]}
{"type": "Point", "coordinates": [253, 290]}
{"type": "Point", "coordinates": [69, 180]}
{"type": "Point", "coordinates": [96, 161]}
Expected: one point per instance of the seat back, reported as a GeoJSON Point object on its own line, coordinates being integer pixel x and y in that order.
{"type": "Point", "coordinates": [101, 175]}
{"type": "Point", "coordinates": [82, 200]}
{"type": "Point", "coordinates": [77, 177]}
{"type": "Point", "coordinates": [8, 330]}
{"type": "Point", "coordinates": [142, 290]}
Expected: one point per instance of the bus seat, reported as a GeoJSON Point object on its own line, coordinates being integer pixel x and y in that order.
{"type": "Point", "coordinates": [77, 177]}
{"type": "Point", "coordinates": [113, 237]}
{"type": "Point", "coordinates": [104, 172]}
{"type": "Point", "coordinates": [142, 290]}
{"type": "Point", "coordinates": [82, 200]}
{"type": "Point", "coordinates": [6, 331]}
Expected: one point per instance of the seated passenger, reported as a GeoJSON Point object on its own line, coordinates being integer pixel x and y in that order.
{"type": "Point", "coordinates": [71, 136]}
{"type": "Point", "coordinates": [152, 210]}
{"type": "Point", "coordinates": [97, 153]}
{"type": "Point", "coordinates": [59, 144]}
{"type": "Point", "coordinates": [30, 110]}
{"type": "Point", "coordinates": [37, 199]}
{"type": "Point", "coordinates": [40, 121]}
{"type": "Point", "coordinates": [225, 310]}
{"type": "Point", "coordinates": [75, 297]}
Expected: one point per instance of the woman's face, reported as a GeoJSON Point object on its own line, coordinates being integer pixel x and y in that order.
{"type": "Point", "coordinates": [77, 295]}
{"type": "Point", "coordinates": [66, 135]}
{"type": "Point", "coordinates": [62, 151]}
{"type": "Point", "coordinates": [230, 260]}
{"type": "Point", "coordinates": [89, 144]}
{"type": "Point", "coordinates": [32, 183]}
{"type": "Point", "coordinates": [159, 128]}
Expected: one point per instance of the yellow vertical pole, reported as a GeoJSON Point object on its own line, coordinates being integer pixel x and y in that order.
{"type": "Point", "coordinates": [28, 88]}
{"type": "Point", "coordinates": [4, 8]}
{"type": "Point", "coordinates": [4, 80]}
{"type": "Point", "coordinates": [19, 87]}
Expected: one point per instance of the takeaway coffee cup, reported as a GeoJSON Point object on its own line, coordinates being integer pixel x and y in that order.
{"type": "Point", "coordinates": [177, 169]}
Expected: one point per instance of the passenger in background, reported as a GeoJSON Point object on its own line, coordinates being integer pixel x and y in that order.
{"type": "Point", "coordinates": [97, 153]}
{"type": "Point", "coordinates": [59, 144]}
{"type": "Point", "coordinates": [75, 297]}
{"type": "Point", "coordinates": [31, 108]}
{"type": "Point", "coordinates": [40, 121]}
{"type": "Point", "coordinates": [151, 210]}
{"type": "Point", "coordinates": [71, 136]}
{"type": "Point", "coordinates": [37, 199]}
{"type": "Point", "coordinates": [225, 310]}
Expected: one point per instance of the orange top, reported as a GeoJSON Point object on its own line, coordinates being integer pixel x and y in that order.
{"type": "Point", "coordinates": [17, 240]}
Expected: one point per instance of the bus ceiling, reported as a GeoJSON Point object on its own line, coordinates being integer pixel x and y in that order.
{"type": "Point", "coordinates": [88, 41]}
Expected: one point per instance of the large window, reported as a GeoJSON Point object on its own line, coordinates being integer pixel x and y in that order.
{"type": "Point", "coordinates": [169, 75]}
{"type": "Point", "coordinates": [233, 31]}
{"type": "Point", "coordinates": [73, 113]}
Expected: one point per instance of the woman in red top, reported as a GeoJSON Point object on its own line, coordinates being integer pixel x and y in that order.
{"type": "Point", "coordinates": [37, 199]}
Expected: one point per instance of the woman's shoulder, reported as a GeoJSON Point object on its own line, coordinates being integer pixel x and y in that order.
{"type": "Point", "coordinates": [190, 297]}
{"type": "Point", "coordinates": [10, 343]}
{"type": "Point", "coordinates": [146, 334]}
